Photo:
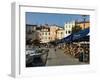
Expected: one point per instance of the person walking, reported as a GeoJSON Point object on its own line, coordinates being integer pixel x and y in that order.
{"type": "Point", "coordinates": [55, 50]}
{"type": "Point", "coordinates": [81, 55]}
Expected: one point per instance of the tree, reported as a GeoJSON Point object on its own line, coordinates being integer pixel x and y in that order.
{"type": "Point", "coordinates": [76, 29]}
{"type": "Point", "coordinates": [54, 43]}
{"type": "Point", "coordinates": [36, 42]}
{"type": "Point", "coordinates": [28, 41]}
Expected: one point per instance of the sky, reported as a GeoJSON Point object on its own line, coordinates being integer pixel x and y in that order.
{"type": "Point", "coordinates": [52, 18]}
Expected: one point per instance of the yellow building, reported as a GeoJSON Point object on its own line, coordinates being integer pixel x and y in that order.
{"type": "Point", "coordinates": [83, 25]}
{"type": "Point", "coordinates": [53, 32]}
{"type": "Point", "coordinates": [60, 33]}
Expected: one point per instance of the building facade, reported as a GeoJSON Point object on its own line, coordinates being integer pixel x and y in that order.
{"type": "Point", "coordinates": [47, 33]}
{"type": "Point", "coordinates": [68, 28]}
{"type": "Point", "coordinates": [53, 32]}
{"type": "Point", "coordinates": [83, 25]}
{"type": "Point", "coordinates": [60, 33]}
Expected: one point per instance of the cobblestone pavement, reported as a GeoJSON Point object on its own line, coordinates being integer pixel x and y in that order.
{"type": "Point", "coordinates": [59, 58]}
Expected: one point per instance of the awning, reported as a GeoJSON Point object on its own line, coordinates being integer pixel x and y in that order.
{"type": "Point", "coordinates": [76, 36]}
{"type": "Point", "coordinates": [86, 38]}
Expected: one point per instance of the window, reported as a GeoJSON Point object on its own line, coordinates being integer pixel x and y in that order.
{"type": "Point", "coordinates": [46, 33]}
{"type": "Point", "coordinates": [69, 32]}
{"type": "Point", "coordinates": [49, 33]}
{"type": "Point", "coordinates": [66, 32]}
{"type": "Point", "coordinates": [48, 37]}
{"type": "Point", "coordinates": [61, 32]}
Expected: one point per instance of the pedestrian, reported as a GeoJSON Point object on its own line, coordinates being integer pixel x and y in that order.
{"type": "Point", "coordinates": [81, 55]}
{"type": "Point", "coordinates": [55, 49]}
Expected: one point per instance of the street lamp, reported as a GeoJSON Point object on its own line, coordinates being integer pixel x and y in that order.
{"type": "Point", "coordinates": [84, 19]}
